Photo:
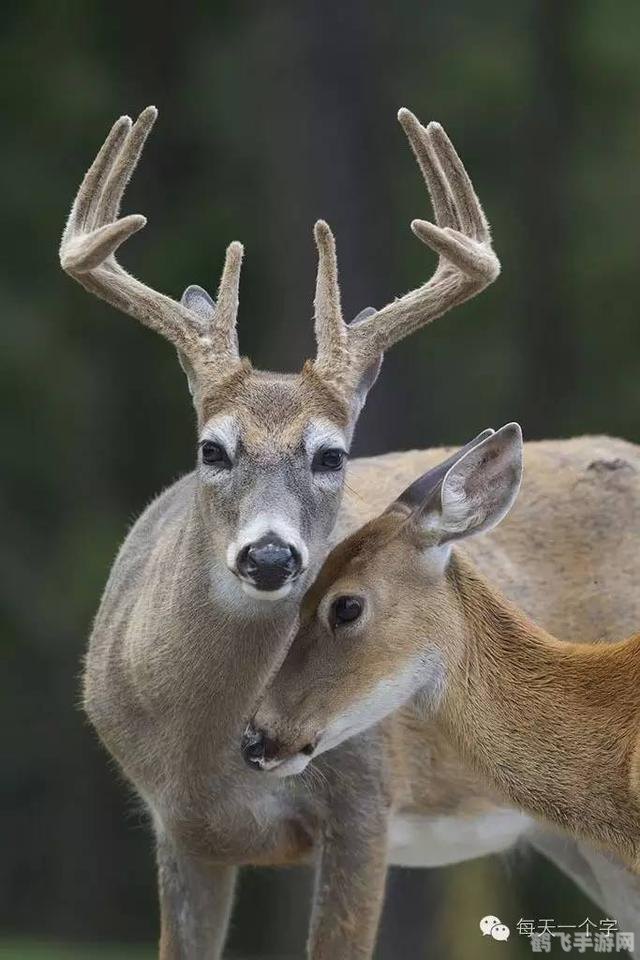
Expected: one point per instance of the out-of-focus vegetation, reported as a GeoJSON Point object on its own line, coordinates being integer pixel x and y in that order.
{"type": "Point", "coordinates": [29, 950]}
{"type": "Point", "coordinates": [271, 115]}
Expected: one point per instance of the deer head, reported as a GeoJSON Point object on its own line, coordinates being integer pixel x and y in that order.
{"type": "Point", "coordinates": [382, 621]}
{"type": "Point", "coordinates": [271, 448]}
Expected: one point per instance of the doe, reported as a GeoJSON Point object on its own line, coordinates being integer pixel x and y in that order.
{"type": "Point", "coordinates": [400, 619]}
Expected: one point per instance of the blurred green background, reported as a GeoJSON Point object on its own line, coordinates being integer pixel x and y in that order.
{"type": "Point", "coordinates": [271, 115]}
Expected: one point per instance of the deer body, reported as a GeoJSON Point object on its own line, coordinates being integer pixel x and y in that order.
{"type": "Point", "coordinates": [199, 606]}
{"type": "Point", "coordinates": [553, 727]}
{"type": "Point", "coordinates": [169, 665]}
{"type": "Point", "coordinates": [497, 715]}
{"type": "Point", "coordinates": [202, 597]}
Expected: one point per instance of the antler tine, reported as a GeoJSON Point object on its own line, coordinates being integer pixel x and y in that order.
{"type": "Point", "coordinates": [470, 213]}
{"type": "Point", "coordinates": [124, 165]}
{"type": "Point", "coordinates": [89, 192]}
{"type": "Point", "coordinates": [439, 190]}
{"type": "Point", "coordinates": [226, 313]}
{"type": "Point", "coordinates": [93, 234]}
{"type": "Point", "coordinates": [460, 237]}
{"type": "Point", "coordinates": [331, 332]}
{"type": "Point", "coordinates": [99, 196]}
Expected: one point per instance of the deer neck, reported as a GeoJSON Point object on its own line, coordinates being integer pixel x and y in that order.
{"type": "Point", "coordinates": [551, 725]}
{"type": "Point", "coordinates": [204, 652]}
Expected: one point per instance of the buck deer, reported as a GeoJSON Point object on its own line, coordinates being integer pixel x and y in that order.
{"type": "Point", "coordinates": [400, 619]}
{"type": "Point", "coordinates": [202, 597]}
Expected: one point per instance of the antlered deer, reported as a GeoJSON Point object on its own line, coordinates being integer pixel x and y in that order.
{"type": "Point", "coordinates": [202, 597]}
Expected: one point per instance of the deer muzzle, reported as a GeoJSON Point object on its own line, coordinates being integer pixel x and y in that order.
{"type": "Point", "coordinates": [265, 753]}
{"type": "Point", "coordinates": [269, 563]}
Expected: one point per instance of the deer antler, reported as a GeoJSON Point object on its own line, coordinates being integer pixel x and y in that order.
{"type": "Point", "coordinates": [93, 234]}
{"type": "Point", "coordinates": [467, 264]}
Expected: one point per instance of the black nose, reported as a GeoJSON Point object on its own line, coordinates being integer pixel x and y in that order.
{"type": "Point", "coordinates": [257, 746]}
{"type": "Point", "coordinates": [269, 562]}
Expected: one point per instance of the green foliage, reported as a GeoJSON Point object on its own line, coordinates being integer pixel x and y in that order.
{"type": "Point", "coordinates": [28, 950]}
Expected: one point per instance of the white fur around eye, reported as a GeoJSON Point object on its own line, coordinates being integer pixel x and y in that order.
{"type": "Point", "coordinates": [322, 434]}
{"type": "Point", "coordinates": [223, 430]}
{"type": "Point", "coordinates": [328, 479]}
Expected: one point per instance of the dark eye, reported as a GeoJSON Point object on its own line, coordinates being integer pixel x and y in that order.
{"type": "Point", "coordinates": [330, 459]}
{"type": "Point", "coordinates": [214, 454]}
{"type": "Point", "coordinates": [345, 610]}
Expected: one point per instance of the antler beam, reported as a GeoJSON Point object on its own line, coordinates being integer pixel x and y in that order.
{"type": "Point", "coordinates": [467, 264]}
{"type": "Point", "coordinates": [94, 233]}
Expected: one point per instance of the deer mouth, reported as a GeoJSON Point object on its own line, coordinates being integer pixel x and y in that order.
{"type": "Point", "coordinates": [263, 594]}
{"type": "Point", "coordinates": [265, 754]}
{"type": "Point", "coordinates": [287, 767]}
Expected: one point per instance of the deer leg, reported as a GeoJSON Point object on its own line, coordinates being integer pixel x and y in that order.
{"type": "Point", "coordinates": [349, 894]}
{"type": "Point", "coordinates": [195, 905]}
{"type": "Point", "coordinates": [352, 869]}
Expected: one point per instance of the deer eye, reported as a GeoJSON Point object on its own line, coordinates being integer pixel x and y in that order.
{"type": "Point", "coordinates": [346, 610]}
{"type": "Point", "coordinates": [214, 454]}
{"type": "Point", "coordinates": [330, 459]}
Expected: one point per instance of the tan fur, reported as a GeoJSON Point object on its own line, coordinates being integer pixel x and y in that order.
{"type": "Point", "coordinates": [172, 747]}
{"type": "Point", "coordinates": [497, 661]}
{"type": "Point", "coordinates": [547, 725]}
{"type": "Point", "coordinates": [552, 726]}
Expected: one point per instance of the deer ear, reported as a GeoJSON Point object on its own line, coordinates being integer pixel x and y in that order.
{"type": "Point", "coordinates": [370, 375]}
{"type": "Point", "coordinates": [477, 491]}
{"type": "Point", "coordinates": [198, 302]}
{"type": "Point", "coordinates": [421, 491]}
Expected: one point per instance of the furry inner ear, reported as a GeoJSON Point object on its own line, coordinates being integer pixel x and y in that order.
{"type": "Point", "coordinates": [420, 492]}
{"type": "Point", "coordinates": [197, 300]}
{"type": "Point", "coordinates": [479, 489]}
